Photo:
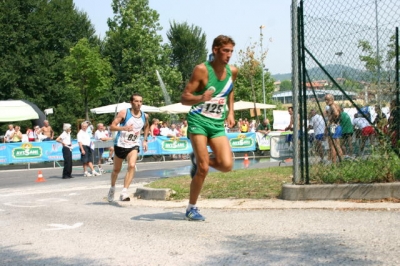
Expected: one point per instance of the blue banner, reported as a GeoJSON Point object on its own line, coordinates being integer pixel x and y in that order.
{"type": "Point", "coordinates": [31, 152]}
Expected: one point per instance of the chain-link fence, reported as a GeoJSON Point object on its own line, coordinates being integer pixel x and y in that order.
{"type": "Point", "coordinates": [346, 90]}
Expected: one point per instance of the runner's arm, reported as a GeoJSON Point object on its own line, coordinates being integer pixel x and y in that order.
{"type": "Point", "coordinates": [196, 83]}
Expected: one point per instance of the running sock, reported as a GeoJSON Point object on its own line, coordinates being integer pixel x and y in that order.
{"type": "Point", "coordinates": [191, 206]}
{"type": "Point", "coordinates": [124, 190]}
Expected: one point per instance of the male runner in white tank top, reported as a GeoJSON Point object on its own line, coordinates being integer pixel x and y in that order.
{"type": "Point", "coordinates": [128, 123]}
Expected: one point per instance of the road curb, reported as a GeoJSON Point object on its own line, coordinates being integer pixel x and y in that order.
{"type": "Point", "coordinates": [374, 191]}
{"type": "Point", "coordinates": [153, 193]}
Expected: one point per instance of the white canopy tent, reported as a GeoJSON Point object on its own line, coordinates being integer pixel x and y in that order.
{"type": "Point", "coordinates": [176, 108]}
{"type": "Point", "coordinates": [113, 108]}
{"type": "Point", "coordinates": [243, 105]}
{"type": "Point", "coordinates": [16, 110]}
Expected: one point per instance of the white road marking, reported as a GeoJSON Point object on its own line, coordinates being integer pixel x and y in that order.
{"type": "Point", "coordinates": [22, 206]}
{"type": "Point", "coordinates": [53, 199]}
{"type": "Point", "coordinates": [63, 226]}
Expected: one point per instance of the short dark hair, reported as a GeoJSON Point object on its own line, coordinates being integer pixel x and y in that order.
{"type": "Point", "coordinates": [222, 40]}
{"type": "Point", "coordinates": [134, 95]}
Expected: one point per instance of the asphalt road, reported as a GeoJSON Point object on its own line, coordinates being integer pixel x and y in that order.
{"type": "Point", "coordinates": [69, 222]}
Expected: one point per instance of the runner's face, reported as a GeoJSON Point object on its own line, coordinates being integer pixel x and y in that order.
{"type": "Point", "coordinates": [224, 53]}
{"type": "Point", "coordinates": [137, 103]}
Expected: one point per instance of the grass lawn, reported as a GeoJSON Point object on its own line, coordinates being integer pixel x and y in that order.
{"type": "Point", "coordinates": [260, 183]}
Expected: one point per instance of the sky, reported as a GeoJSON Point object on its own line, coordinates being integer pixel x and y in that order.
{"type": "Point", "coordinates": [240, 19]}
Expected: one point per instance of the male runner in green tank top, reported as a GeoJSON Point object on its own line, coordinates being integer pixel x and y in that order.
{"type": "Point", "coordinates": [210, 92]}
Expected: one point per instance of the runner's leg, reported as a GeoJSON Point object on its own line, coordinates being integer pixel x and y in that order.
{"type": "Point", "coordinates": [199, 145]}
{"type": "Point", "coordinates": [131, 159]}
{"type": "Point", "coordinates": [116, 169]}
{"type": "Point", "coordinates": [223, 160]}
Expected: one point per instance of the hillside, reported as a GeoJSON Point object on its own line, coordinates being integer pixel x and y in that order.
{"type": "Point", "coordinates": [336, 71]}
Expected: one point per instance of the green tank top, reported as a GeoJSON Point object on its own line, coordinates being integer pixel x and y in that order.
{"type": "Point", "coordinates": [215, 109]}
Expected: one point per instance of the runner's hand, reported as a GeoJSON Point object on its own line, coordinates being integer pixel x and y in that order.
{"type": "Point", "coordinates": [207, 95]}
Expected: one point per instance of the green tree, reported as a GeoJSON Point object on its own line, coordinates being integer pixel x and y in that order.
{"type": "Point", "coordinates": [250, 77]}
{"type": "Point", "coordinates": [188, 45]}
{"type": "Point", "coordinates": [87, 73]}
{"type": "Point", "coordinates": [286, 85]}
{"type": "Point", "coordinates": [380, 69]}
{"type": "Point", "coordinates": [135, 53]}
{"type": "Point", "coordinates": [35, 36]}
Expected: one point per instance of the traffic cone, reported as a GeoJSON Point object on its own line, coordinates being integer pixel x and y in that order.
{"type": "Point", "coordinates": [40, 177]}
{"type": "Point", "coordinates": [246, 161]}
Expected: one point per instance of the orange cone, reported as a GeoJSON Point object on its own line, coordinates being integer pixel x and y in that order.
{"type": "Point", "coordinates": [40, 177]}
{"type": "Point", "coordinates": [246, 161]}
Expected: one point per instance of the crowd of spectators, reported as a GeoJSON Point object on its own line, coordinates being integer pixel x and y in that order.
{"type": "Point", "coordinates": [14, 133]}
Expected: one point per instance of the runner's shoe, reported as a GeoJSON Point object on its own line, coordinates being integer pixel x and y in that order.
{"type": "Point", "coordinates": [193, 169]}
{"type": "Point", "coordinates": [94, 173]}
{"type": "Point", "coordinates": [87, 174]}
{"type": "Point", "coordinates": [110, 196]}
{"type": "Point", "coordinates": [124, 196]}
{"type": "Point", "coordinates": [194, 215]}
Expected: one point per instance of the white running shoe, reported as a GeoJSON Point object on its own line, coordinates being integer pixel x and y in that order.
{"type": "Point", "coordinates": [110, 196]}
{"type": "Point", "coordinates": [94, 173]}
{"type": "Point", "coordinates": [102, 171]}
{"type": "Point", "coordinates": [124, 196]}
{"type": "Point", "coordinates": [110, 161]}
{"type": "Point", "coordinates": [87, 174]}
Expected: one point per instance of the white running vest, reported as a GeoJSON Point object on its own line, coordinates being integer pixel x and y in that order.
{"type": "Point", "coordinates": [129, 139]}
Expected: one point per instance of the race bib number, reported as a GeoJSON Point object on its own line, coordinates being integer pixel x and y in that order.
{"type": "Point", "coordinates": [213, 108]}
{"type": "Point", "coordinates": [130, 136]}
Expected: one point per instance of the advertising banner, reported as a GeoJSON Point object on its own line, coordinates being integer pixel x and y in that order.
{"type": "Point", "coordinates": [32, 152]}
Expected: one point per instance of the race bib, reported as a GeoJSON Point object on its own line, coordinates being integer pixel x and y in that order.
{"type": "Point", "coordinates": [130, 136]}
{"type": "Point", "coordinates": [214, 108]}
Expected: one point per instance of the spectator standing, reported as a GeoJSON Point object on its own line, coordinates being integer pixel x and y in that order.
{"type": "Point", "coordinates": [30, 133]}
{"type": "Point", "coordinates": [174, 131]}
{"type": "Point", "coordinates": [380, 120]}
{"type": "Point", "coordinates": [244, 128]}
{"type": "Point", "coordinates": [65, 140]}
{"type": "Point", "coordinates": [9, 132]}
{"type": "Point", "coordinates": [393, 123]}
{"type": "Point", "coordinates": [184, 128]}
{"type": "Point", "coordinates": [86, 151]}
{"type": "Point", "coordinates": [165, 130]}
{"type": "Point", "coordinates": [334, 128]}
{"type": "Point", "coordinates": [16, 136]}
{"type": "Point", "coordinates": [102, 135]}
{"type": "Point", "coordinates": [317, 123]}
{"type": "Point", "coordinates": [154, 130]}
{"type": "Point", "coordinates": [253, 126]}
{"type": "Point", "coordinates": [367, 131]}
{"type": "Point", "coordinates": [347, 134]}
{"type": "Point", "coordinates": [36, 133]}
{"type": "Point", "coordinates": [89, 129]}
{"type": "Point", "coordinates": [47, 131]}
